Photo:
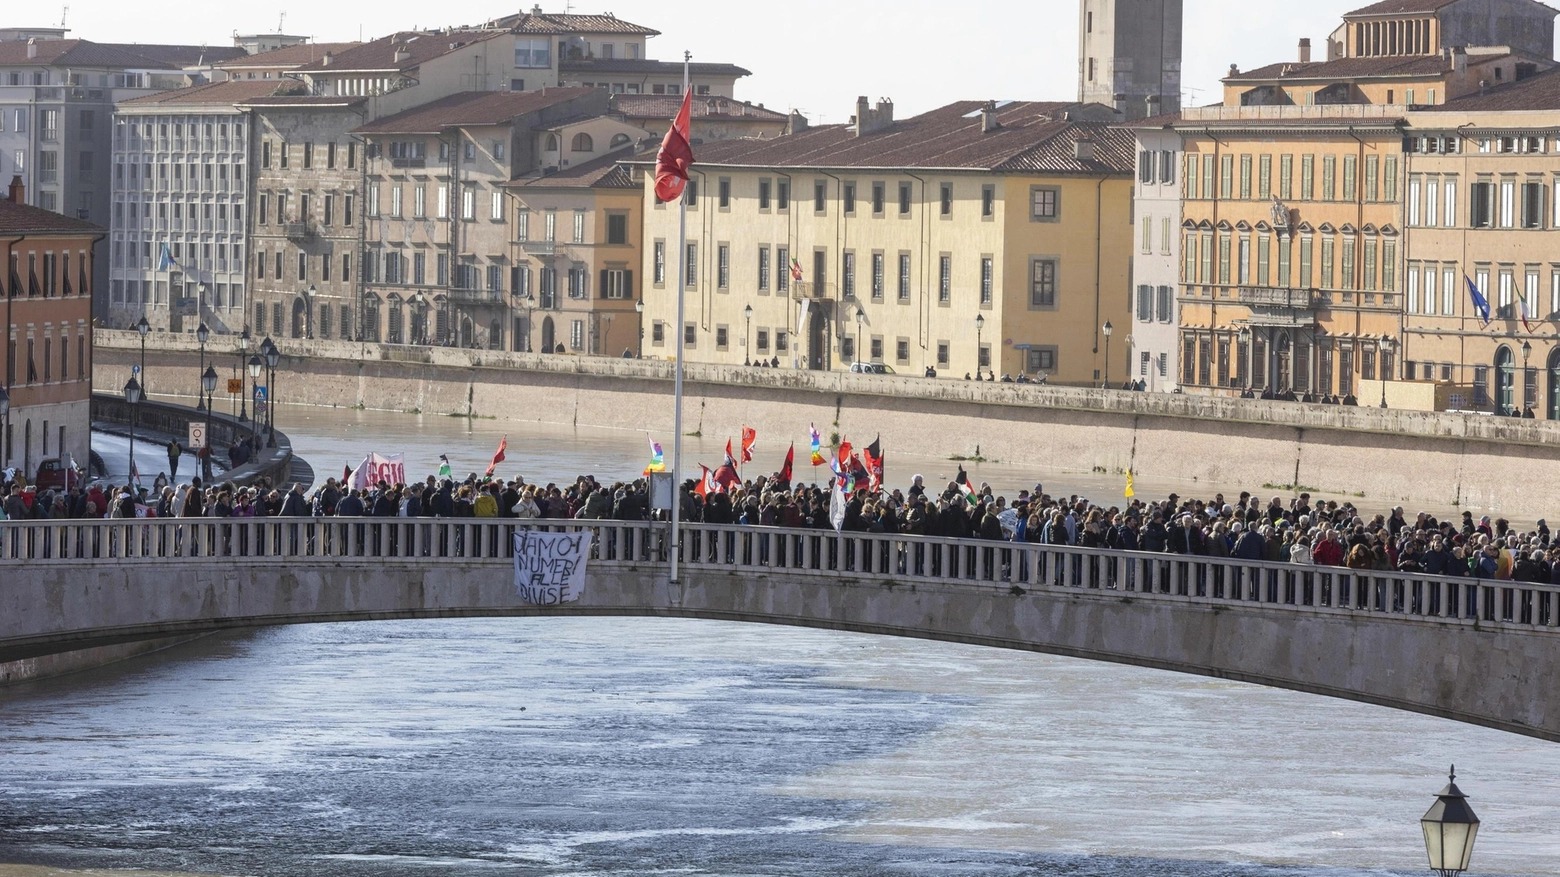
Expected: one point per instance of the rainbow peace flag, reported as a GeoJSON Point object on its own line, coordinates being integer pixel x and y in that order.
{"type": "Point", "coordinates": [657, 459]}
{"type": "Point", "coordinates": [817, 445]}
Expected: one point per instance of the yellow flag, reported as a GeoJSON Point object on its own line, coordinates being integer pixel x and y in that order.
{"type": "Point", "coordinates": [1130, 492]}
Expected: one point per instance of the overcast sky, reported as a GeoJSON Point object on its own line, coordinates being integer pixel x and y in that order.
{"type": "Point", "coordinates": [814, 55]}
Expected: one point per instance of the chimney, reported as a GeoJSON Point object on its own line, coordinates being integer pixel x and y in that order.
{"type": "Point", "coordinates": [32, 47]}
{"type": "Point", "coordinates": [1083, 148]}
{"type": "Point", "coordinates": [1234, 70]}
{"type": "Point", "coordinates": [795, 123]}
{"type": "Point", "coordinates": [1305, 50]}
{"type": "Point", "coordinates": [1459, 60]}
{"type": "Point", "coordinates": [1118, 101]}
{"type": "Point", "coordinates": [326, 59]}
{"type": "Point", "coordinates": [18, 191]}
{"type": "Point", "coordinates": [988, 118]}
{"type": "Point", "coordinates": [402, 54]}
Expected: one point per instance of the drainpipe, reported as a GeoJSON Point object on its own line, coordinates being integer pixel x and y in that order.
{"type": "Point", "coordinates": [10, 352]}
{"type": "Point", "coordinates": [1099, 225]}
{"type": "Point", "coordinates": [840, 240]}
{"type": "Point", "coordinates": [926, 299]}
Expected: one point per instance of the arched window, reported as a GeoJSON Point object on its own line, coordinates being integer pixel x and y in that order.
{"type": "Point", "coordinates": [621, 140]}
{"type": "Point", "coordinates": [552, 143]}
{"type": "Point", "coordinates": [582, 143]}
{"type": "Point", "coordinates": [1505, 380]}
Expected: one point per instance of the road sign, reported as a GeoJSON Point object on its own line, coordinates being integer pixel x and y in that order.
{"type": "Point", "coordinates": [197, 436]}
{"type": "Point", "coordinates": [235, 386]}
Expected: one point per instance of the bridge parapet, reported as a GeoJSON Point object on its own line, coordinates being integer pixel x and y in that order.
{"type": "Point", "coordinates": [1474, 650]}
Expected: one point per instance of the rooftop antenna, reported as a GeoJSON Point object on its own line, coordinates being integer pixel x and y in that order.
{"type": "Point", "coordinates": [63, 13]}
{"type": "Point", "coordinates": [281, 22]}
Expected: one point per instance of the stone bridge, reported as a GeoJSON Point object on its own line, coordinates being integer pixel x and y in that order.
{"type": "Point", "coordinates": [1478, 651]}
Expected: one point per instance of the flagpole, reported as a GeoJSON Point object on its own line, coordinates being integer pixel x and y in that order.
{"type": "Point", "coordinates": [677, 385]}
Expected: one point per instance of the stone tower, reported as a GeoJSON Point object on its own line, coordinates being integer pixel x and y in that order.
{"type": "Point", "coordinates": [1129, 55]}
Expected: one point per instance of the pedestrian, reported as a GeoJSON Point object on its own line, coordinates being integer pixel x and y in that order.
{"type": "Point", "coordinates": [174, 452]}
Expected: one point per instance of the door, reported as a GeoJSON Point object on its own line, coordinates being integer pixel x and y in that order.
{"type": "Point", "coordinates": [1553, 408]}
{"type": "Point", "coordinates": [300, 316]}
{"type": "Point", "coordinates": [817, 341]}
{"type": "Point", "coordinates": [1505, 381]}
{"type": "Point", "coordinates": [547, 335]}
{"type": "Point", "coordinates": [1281, 361]}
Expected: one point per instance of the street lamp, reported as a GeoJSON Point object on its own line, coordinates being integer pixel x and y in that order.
{"type": "Point", "coordinates": [133, 397]}
{"type": "Point", "coordinates": [254, 378]}
{"type": "Point", "coordinates": [202, 334]}
{"type": "Point", "coordinates": [145, 329]}
{"type": "Point", "coordinates": [1450, 828]}
{"type": "Point", "coordinates": [238, 371]}
{"type": "Point", "coordinates": [639, 308]}
{"type": "Point", "coordinates": [273, 358]}
{"type": "Point", "coordinates": [860, 318]}
{"type": "Point", "coordinates": [526, 301]}
{"type": "Point", "coordinates": [208, 382]}
{"type": "Point", "coordinates": [1245, 341]}
{"type": "Point", "coordinates": [1386, 344]}
{"type": "Point", "coordinates": [1527, 352]}
{"type": "Point", "coordinates": [980, 324]}
{"type": "Point", "coordinates": [1107, 329]}
{"type": "Point", "coordinates": [747, 339]}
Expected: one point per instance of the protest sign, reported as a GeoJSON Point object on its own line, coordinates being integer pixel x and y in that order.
{"type": "Point", "coordinates": [550, 567]}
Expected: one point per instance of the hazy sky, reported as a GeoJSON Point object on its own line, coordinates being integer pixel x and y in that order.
{"type": "Point", "coordinates": [815, 55]}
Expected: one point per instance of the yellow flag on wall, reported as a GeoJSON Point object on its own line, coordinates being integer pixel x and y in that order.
{"type": "Point", "coordinates": [1130, 492]}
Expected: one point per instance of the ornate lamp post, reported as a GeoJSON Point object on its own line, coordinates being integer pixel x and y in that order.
{"type": "Point", "coordinates": [861, 317]}
{"type": "Point", "coordinates": [1527, 353]}
{"type": "Point", "coordinates": [1386, 344]}
{"type": "Point", "coordinates": [747, 339]}
{"type": "Point", "coordinates": [255, 365]}
{"type": "Point", "coordinates": [273, 358]}
{"type": "Point", "coordinates": [202, 335]}
{"type": "Point", "coordinates": [208, 383]}
{"type": "Point", "coordinates": [639, 308]}
{"type": "Point", "coordinates": [144, 328]}
{"type": "Point", "coordinates": [133, 397]}
{"type": "Point", "coordinates": [980, 324]}
{"type": "Point", "coordinates": [1450, 828]}
{"type": "Point", "coordinates": [238, 370]}
{"type": "Point", "coordinates": [1107, 329]}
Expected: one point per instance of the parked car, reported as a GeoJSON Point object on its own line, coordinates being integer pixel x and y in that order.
{"type": "Point", "coordinates": [870, 368]}
{"type": "Point", "coordinates": [54, 474]}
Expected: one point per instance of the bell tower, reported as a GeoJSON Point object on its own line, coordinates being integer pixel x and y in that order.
{"type": "Point", "coordinates": [1129, 55]}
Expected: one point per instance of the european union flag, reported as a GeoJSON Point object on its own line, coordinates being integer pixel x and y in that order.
{"type": "Point", "coordinates": [1481, 305]}
{"type": "Point", "coordinates": [165, 259]}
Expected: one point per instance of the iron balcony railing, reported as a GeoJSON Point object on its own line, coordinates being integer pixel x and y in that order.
{"type": "Point", "coordinates": [1017, 567]}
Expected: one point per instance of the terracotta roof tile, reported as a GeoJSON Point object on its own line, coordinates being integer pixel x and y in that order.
{"type": "Point", "coordinates": [476, 108]}
{"type": "Point", "coordinates": [606, 172]}
{"type": "Point", "coordinates": [288, 56]}
{"type": "Point", "coordinates": [1537, 92]}
{"type": "Point", "coordinates": [75, 53]}
{"type": "Point", "coordinates": [233, 91]}
{"type": "Point", "coordinates": [1399, 7]}
{"type": "Point", "coordinates": [421, 46]}
{"type": "Point", "coordinates": [181, 56]}
{"type": "Point", "coordinates": [1348, 68]}
{"type": "Point", "coordinates": [656, 106]}
{"type": "Point", "coordinates": [645, 67]}
{"type": "Point", "coordinates": [568, 23]}
{"type": "Point", "coordinates": [1032, 137]}
{"type": "Point", "coordinates": [22, 219]}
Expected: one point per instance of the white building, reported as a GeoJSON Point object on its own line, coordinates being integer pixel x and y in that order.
{"type": "Point", "coordinates": [1157, 211]}
{"type": "Point", "coordinates": [180, 178]}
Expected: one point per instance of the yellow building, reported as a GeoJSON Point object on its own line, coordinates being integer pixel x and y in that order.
{"type": "Point", "coordinates": [1483, 204]}
{"type": "Point", "coordinates": [972, 238]}
{"type": "Point", "coordinates": [1290, 248]}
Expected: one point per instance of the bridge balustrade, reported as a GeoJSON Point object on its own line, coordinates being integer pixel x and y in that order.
{"type": "Point", "coordinates": [893, 559]}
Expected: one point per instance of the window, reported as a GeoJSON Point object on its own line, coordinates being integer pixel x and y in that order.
{"type": "Point", "coordinates": [617, 229]}
{"type": "Point", "coordinates": [988, 202]}
{"type": "Point", "coordinates": [942, 354]}
{"type": "Point", "coordinates": [1166, 309]}
{"type": "Point", "coordinates": [877, 277]}
{"type": "Point", "coordinates": [1166, 167]}
{"type": "Point", "coordinates": [1480, 198]}
{"type": "Point", "coordinates": [945, 201]}
{"type": "Point", "coordinates": [690, 335]}
{"type": "Point", "coordinates": [1042, 286]}
{"type": "Point", "coordinates": [763, 194]}
{"type": "Point", "coordinates": [782, 341]}
{"type": "Point", "coordinates": [986, 272]}
{"type": "Point", "coordinates": [579, 226]}
{"type": "Point", "coordinates": [904, 199]}
{"type": "Point", "coordinates": [763, 269]}
{"type": "Point", "coordinates": [533, 53]}
{"type": "Point", "coordinates": [658, 333]}
{"type": "Point", "coordinates": [783, 269]}
{"type": "Point", "coordinates": [691, 266]}
{"type": "Point", "coordinates": [820, 195]}
{"type": "Point", "coordinates": [723, 266]}
{"type": "Point", "coordinates": [1307, 177]}
{"type": "Point", "coordinates": [723, 193]}
{"type": "Point", "coordinates": [1145, 304]}
{"type": "Point", "coordinates": [848, 348]}
{"type": "Point", "coordinates": [468, 204]}
{"type": "Point", "coordinates": [848, 195]}
{"type": "Point", "coordinates": [904, 277]}
{"type": "Point", "coordinates": [1508, 197]}
{"type": "Point", "coordinates": [944, 278]}
{"type": "Point", "coordinates": [582, 143]}
{"type": "Point", "coordinates": [782, 195]}
{"type": "Point", "coordinates": [878, 196]}
{"type": "Point", "coordinates": [761, 340]}
{"type": "Point", "coordinates": [1044, 203]}
{"type": "Point", "coordinates": [1145, 166]}
{"type": "Point", "coordinates": [1532, 204]}
{"type": "Point", "coordinates": [496, 209]}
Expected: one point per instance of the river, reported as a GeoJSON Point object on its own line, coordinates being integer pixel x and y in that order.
{"type": "Point", "coordinates": [555, 747]}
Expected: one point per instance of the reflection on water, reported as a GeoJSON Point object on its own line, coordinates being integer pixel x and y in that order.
{"type": "Point", "coordinates": [619, 747]}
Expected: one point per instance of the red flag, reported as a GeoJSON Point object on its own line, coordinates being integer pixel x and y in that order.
{"type": "Point", "coordinates": [706, 485]}
{"type": "Point", "coordinates": [843, 457]}
{"type": "Point", "coordinates": [874, 459]}
{"type": "Point", "coordinates": [726, 476]}
{"type": "Point", "coordinates": [676, 154]}
{"type": "Point", "coordinates": [730, 460]}
{"type": "Point", "coordinates": [498, 456]}
{"type": "Point", "coordinates": [749, 441]}
{"type": "Point", "coordinates": [790, 458]}
{"type": "Point", "coordinates": [346, 475]}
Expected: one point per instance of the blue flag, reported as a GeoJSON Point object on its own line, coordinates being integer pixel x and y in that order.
{"type": "Point", "coordinates": [1481, 305]}
{"type": "Point", "coordinates": [165, 259]}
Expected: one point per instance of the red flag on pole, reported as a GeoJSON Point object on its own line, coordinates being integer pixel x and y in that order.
{"type": "Point", "coordinates": [749, 441]}
{"type": "Point", "coordinates": [498, 456]}
{"type": "Point", "coordinates": [346, 475]}
{"type": "Point", "coordinates": [706, 484]}
{"type": "Point", "coordinates": [730, 460]}
{"type": "Point", "coordinates": [874, 460]}
{"type": "Point", "coordinates": [676, 154]}
{"type": "Point", "coordinates": [790, 458]}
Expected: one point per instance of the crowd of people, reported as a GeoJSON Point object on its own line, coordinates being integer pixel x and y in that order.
{"type": "Point", "coordinates": [1298, 531]}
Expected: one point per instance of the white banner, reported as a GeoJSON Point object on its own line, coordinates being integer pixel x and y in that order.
{"type": "Point", "coordinates": [550, 567]}
{"type": "Point", "coordinates": [801, 320]}
{"type": "Point", "coordinates": [376, 468]}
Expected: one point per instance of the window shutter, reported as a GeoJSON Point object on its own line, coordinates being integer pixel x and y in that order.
{"type": "Point", "coordinates": [602, 289]}
{"type": "Point", "coordinates": [628, 284]}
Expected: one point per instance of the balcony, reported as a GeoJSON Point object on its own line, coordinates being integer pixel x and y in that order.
{"type": "Point", "coordinates": [408, 162]}
{"type": "Point", "coordinates": [539, 248]}
{"type": "Point", "coordinates": [817, 291]}
{"type": "Point", "coordinates": [1279, 297]}
{"type": "Point", "coordinates": [297, 231]}
{"type": "Point", "coordinates": [476, 296]}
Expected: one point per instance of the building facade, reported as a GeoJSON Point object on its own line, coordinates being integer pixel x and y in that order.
{"type": "Point", "coordinates": [436, 265]}
{"type": "Point", "coordinates": [974, 238]}
{"type": "Point", "coordinates": [1290, 248]}
{"type": "Point", "coordinates": [1482, 206]}
{"type": "Point", "coordinates": [1129, 55]}
{"type": "Point", "coordinates": [1154, 336]}
{"type": "Point", "coordinates": [47, 273]}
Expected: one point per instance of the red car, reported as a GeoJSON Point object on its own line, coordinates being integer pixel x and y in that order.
{"type": "Point", "coordinates": [53, 474]}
